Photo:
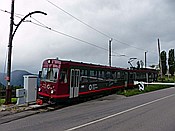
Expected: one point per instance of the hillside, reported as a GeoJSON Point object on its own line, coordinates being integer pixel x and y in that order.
{"type": "Point", "coordinates": [16, 77]}
{"type": "Point", "coordinates": [1, 85]}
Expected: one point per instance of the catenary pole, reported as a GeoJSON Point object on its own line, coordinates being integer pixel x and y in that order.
{"type": "Point", "coordinates": [160, 61]}
{"type": "Point", "coordinates": [145, 59]}
{"type": "Point", "coordinates": [110, 41]}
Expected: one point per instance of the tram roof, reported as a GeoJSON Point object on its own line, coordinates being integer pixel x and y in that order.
{"type": "Point", "coordinates": [90, 65]}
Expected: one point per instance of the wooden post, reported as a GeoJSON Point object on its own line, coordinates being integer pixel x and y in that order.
{"type": "Point", "coordinates": [8, 88]}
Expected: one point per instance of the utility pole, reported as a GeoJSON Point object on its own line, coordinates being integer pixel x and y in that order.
{"type": "Point", "coordinates": [8, 89]}
{"type": "Point", "coordinates": [11, 35]}
{"type": "Point", "coordinates": [145, 58]}
{"type": "Point", "coordinates": [160, 61]}
{"type": "Point", "coordinates": [110, 41]}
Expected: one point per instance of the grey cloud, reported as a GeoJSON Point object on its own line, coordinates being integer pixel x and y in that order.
{"type": "Point", "coordinates": [138, 23]}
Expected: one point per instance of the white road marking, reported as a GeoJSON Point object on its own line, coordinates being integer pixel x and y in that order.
{"type": "Point", "coordinates": [119, 113]}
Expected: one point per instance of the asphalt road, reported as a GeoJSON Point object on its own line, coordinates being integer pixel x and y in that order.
{"type": "Point", "coordinates": [153, 111]}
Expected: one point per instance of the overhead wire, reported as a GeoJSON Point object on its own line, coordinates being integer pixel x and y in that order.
{"type": "Point", "coordinates": [67, 35]}
{"type": "Point", "coordinates": [104, 34]}
{"type": "Point", "coordinates": [16, 15]}
{"type": "Point", "coordinates": [75, 38]}
{"type": "Point", "coordinates": [78, 19]}
{"type": "Point", "coordinates": [58, 32]}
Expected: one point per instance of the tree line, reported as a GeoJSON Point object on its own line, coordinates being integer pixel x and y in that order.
{"type": "Point", "coordinates": [168, 64]}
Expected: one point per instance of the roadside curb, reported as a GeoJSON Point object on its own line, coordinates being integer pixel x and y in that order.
{"type": "Point", "coordinates": [10, 113]}
{"type": "Point", "coordinates": [16, 116]}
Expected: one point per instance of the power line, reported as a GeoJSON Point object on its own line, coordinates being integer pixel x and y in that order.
{"type": "Point", "coordinates": [16, 15]}
{"type": "Point", "coordinates": [104, 34]}
{"type": "Point", "coordinates": [128, 44]}
{"type": "Point", "coordinates": [39, 22]}
{"type": "Point", "coordinates": [70, 36]}
{"type": "Point", "coordinates": [64, 34]}
{"type": "Point", "coordinates": [44, 26]}
{"type": "Point", "coordinates": [78, 19]}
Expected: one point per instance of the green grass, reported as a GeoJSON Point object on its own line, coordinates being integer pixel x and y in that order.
{"type": "Point", "coordinates": [135, 91]}
{"type": "Point", "coordinates": [170, 79]}
{"type": "Point", "coordinates": [14, 100]}
{"type": "Point", "coordinates": [149, 88]}
{"type": "Point", "coordinates": [2, 101]}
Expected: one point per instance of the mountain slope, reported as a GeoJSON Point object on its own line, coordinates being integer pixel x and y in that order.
{"type": "Point", "coordinates": [1, 85]}
{"type": "Point", "coordinates": [16, 77]}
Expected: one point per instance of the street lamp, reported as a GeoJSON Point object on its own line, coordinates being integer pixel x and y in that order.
{"type": "Point", "coordinates": [11, 35]}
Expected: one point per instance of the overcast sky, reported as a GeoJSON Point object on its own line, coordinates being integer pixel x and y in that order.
{"type": "Point", "coordinates": [136, 23]}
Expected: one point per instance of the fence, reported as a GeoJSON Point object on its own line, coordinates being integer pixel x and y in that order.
{"type": "Point", "coordinates": [3, 93]}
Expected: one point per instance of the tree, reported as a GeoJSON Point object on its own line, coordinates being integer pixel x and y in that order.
{"type": "Point", "coordinates": [163, 60]}
{"type": "Point", "coordinates": [171, 62]}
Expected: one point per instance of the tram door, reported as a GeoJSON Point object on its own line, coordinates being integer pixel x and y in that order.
{"type": "Point", "coordinates": [74, 83]}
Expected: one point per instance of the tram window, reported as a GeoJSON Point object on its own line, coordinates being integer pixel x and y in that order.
{"type": "Point", "coordinates": [150, 75]}
{"type": "Point", "coordinates": [82, 73]}
{"type": "Point", "coordinates": [49, 74]}
{"type": "Point", "coordinates": [83, 78]}
{"type": "Point", "coordinates": [114, 75]}
{"type": "Point", "coordinates": [108, 75]}
{"type": "Point", "coordinates": [85, 72]}
{"type": "Point", "coordinates": [102, 74]}
{"type": "Point", "coordinates": [144, 75]}
{"type": "Point", "coordinates": [118, 75]}
{"type": "Point", "coordinates": [131, 76]}
{"type": "Point", "coordinates": [95, 73]}
{"type": "Point", "coordinates": [122, 75]}
{"type": "Point", "coordinates": [99, 74]}
{"type": "Point", "coordinates": [91, 73]}
{"type": "Point", "coordinates": [138, 76]}
{"type": "Point", "coordinates": [55, 75]}
{"type": "Point", "coordinates": [126, 75]}
{"type": "Point", "coordinates": [63, 76]}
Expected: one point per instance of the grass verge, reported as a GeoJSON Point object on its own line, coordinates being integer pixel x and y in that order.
{"type": "Point", "coordinates": [135, 91]}
{"type": "Point", "coordinates": [13, 100]}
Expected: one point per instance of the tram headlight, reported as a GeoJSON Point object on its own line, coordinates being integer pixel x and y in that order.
{"type": "Point", "coordinates": [39, 89]}
{"type": "Point", "coordinates": [52, 91]}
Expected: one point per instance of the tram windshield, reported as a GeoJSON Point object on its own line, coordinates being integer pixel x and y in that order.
{"type": "Point", "coordinates": [49, 74]}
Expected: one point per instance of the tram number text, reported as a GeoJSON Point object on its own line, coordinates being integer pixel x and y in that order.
{"type": "Point", "coordinates": [93, 87]}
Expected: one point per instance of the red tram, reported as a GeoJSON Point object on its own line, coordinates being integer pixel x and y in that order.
{"type": "Point", "coordinates": [60, 80]}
